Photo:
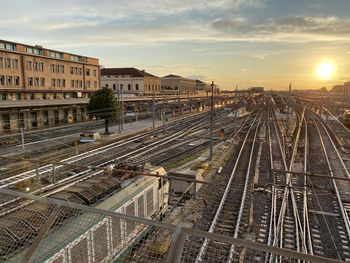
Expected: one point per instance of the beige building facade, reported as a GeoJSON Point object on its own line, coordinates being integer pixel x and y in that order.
{"type": "Point", "coordinates": [130, 81]}
{"type": "Point", "coordinates": [43, 87]}
{"type": "Point", "coordinates": [177, 84]}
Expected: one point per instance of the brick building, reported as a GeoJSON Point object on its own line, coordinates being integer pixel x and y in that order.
{"type": "Point", "coordinates": [42, 87]}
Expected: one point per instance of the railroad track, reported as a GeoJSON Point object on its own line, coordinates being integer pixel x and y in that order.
{"type": "Point", "coordinates": [93, 157]}
{"type": "Point", "coordinates": [227, 209]}
{"type": "Point", "coordinates": [329, 198]}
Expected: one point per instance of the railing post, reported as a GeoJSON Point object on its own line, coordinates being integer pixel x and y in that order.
{"type": "Point", "coordinates": [177, 245]}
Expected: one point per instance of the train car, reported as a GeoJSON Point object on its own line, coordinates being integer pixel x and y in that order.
{"type": "Point", "coordinates": [88, 237]}
{"type": "Point", "coordinates": [346, 118]}
{"type": "Point", "coordinates": [90, 136]}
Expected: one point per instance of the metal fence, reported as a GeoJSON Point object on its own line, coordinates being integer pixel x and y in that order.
{"type": "Point", "coordinates": [36, 229]}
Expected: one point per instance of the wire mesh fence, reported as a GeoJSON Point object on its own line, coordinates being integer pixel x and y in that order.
{"type": "Point", "coordinates": [35, 229]}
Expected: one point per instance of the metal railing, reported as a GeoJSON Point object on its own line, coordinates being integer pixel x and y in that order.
{"type": "Point", "coordinates": [49, 230]}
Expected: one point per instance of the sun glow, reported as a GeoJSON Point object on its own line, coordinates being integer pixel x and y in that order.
{"type": "Point", "coordinates": [326, 70]}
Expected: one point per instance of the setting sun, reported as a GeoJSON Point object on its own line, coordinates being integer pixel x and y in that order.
{"type": "Point", "coordinates": [326, 70]}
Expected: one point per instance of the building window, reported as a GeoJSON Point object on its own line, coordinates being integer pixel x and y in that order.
{"type": "Point", "coordinates": [36, 82]}
{"type": "Point", "coordinates": [52, 68]}
{"type": "Point", "coordinates": [11, 47]}
{"type": "Point", "coordinates": [62, 69]}
{"type": "Point", "coordinates": [16, 81]}
{"type": "Point", "coordinates": [3, 96]}
{"type": "Point", "coordinates": [41, 66]}
{"type": "Point", "coordinates": [129, 87]}
{"type": "Point", "coordinates": [106, 85]}
{"type": "Point", "coordinates": [30, 81]}
{"type": "Point", "coordinates": [8, 63]}
{"type": "Point", "coordinates": [87, 72]}
{"type": "Point", "coordinates": [18, 96]}
{"type": "Point", "coordinates": [137, 86]}
{"type": "Point", "coordinates": [34, 51]}
{"type": "Point", "coordinates": [29, 65]}
{"type": "Point", "coordinates": [75, 58]}
{"type": "Point", "coordinates": [121, 86]}
{"type": "Point", "coordinates": [72, 83]}
{"type": "Point", "coordinates": [95, 84]}
{"type": "Point", "coordinates": [44, 96]}
{"type": "Point", "coordinates": [15, 63]}
{"type": "Point", "coordinates": [9, 80]}
{"type": "Point", "coordinates": [55, 96]}
{"type": "Point", "coordinates": [42, 82]}
{"type": "Point", "coordinates": [35, 66]}
{"type": "Point", "coordinates": [53, 82]}
{"type": "Point", "coordinates": [80, 83]}
{"type": "Point", "coordinates": [114, 87]}
{"type": "Point", "coordinates": [63, 83]}
{"type": "Point", "coordinates": [1, 62]}
{"type": "Point", "coordinates": [2, 80]}
{"type": "Point", "coordinates": [71, 70]}
{"type": "Point", "coordinates": [57, 68]}
{"type": "Point", "coordinates": [88, 84]}
{"type": "Point", "coordinates": [32, 96]}
{"type": "Point", "coordinates": [56, 55]}
{"type": "Point", "coordinates": [95, 72]}
{"type": "Point", "coordinates": [80, 71]}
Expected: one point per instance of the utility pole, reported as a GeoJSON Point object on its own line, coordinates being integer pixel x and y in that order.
{"type": "Point", "coordinates": [153, 115]}
{"type": "Point", "coordinates": [211, 121]}
{"type": "Point", "coordinates": [164, 121]}
{"type": "Point", "coordinates": [214, 102]}
{"type": "Point", "coordinates": [287, 100]}
{"type": "Point", "coordinates": [122, 107]}
{"type": "Point", "coordinates": [120, 113]}
{"type": "Point", "coordinates": [22, 137]}
{"type": "Point", "coordinates": [236, 102]}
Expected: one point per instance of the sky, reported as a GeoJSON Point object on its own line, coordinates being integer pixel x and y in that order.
{"type": "Point", "coordinates": [268, 43]}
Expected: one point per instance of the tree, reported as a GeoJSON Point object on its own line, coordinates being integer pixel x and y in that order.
{"type": "Point", "coordinates": [324, 89]}
{"type": "Point", "coordinates": [104, 105]}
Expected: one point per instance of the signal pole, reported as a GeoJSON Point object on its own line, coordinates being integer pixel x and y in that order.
{"type": "Point", "coordinates": [122, 108]}
{"type": "Point", "coordinates": [211, 121]}
{"type": "Point", "coordinates": [153, 115]}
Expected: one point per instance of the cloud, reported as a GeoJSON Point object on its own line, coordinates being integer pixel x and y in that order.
{"type": "Point", "coordinates": [306, 28]}
{"type": "Point", "coordinates": [258, 56]}
{"type": "Point", "coordinates": [107, 23]}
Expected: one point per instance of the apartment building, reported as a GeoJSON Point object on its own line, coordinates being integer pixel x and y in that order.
{"type": "Point", "coordinates": [42, 87]}
{"type": "Point", "coordinates": [177, 84]}
{"type": "Point", "coordinates": [130, 81]}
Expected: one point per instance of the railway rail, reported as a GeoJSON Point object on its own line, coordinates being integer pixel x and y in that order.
{"type": "Point", "coordinates": [228, 208]}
